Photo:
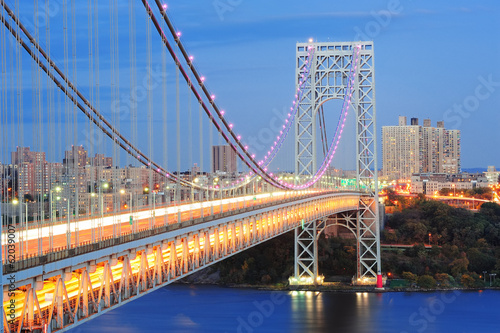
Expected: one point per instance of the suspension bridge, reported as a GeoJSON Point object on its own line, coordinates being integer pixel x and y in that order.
{"type": "Point", "coordinates": [97, 123]}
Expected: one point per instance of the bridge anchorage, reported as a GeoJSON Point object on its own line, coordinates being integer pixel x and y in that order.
{"type": "Point", "coordinates": [339, 70]}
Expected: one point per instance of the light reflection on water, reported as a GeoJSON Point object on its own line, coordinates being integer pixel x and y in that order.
{"type": "Point", "coordinates": [184, 308]}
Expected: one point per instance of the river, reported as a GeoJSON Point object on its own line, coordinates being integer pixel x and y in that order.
{"type": "Point", "coordinates": [188, 308]}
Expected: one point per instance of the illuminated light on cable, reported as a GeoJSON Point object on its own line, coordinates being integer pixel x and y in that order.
{"type": "Point", "coordinates": [230, 125]}
{"type": "Point", "coordinates": [212, 97]}
{"type": "Point", "coordinates": [178, 34]}
{"type": "Point", "coordinates": [202, 79]}
{"type": "Point", "coordinates": [238, 137]}
{"type": "Point", "coordinates": [164, 6]}
{"type": "Point", "coordinates": [246, 147]}
{"type": "Point", "coordinates": [191, 58]}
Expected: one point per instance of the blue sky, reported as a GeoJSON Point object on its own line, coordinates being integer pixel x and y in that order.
{"type": "Point", "coordinates": [431, 57]}
{"type": "Point", "coordinates": [436, 60]}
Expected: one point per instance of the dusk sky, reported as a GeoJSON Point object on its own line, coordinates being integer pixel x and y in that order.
{"type": "Point", "coordinates": [433, 59]}
{"type": "Point", "coordinates": [436, 60]}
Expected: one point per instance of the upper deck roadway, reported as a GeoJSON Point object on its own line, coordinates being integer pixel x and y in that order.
{"type": "Point", "coordinates": [63, 288]}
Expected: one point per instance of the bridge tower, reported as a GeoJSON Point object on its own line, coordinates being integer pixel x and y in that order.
{"type": "Point", "coordinates": [328, 79]}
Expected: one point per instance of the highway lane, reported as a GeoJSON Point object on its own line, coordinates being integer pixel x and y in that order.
{"type": "Point", "coordinates": [110, 226]}
{"type": "Point", "coordinates": [46, 294]}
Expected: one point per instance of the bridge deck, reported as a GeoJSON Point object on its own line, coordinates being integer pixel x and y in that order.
{"type": "Point", "coordinates": [69, 291]}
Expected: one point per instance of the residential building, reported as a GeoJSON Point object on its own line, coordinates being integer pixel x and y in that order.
{"type": "Point", "coordinates": [223, 159]}
{"type": "Point", "coordinates": [409, 149]}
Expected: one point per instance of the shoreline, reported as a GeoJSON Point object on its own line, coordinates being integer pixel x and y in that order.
{"type": "Point", "coordinates": [344, 288]}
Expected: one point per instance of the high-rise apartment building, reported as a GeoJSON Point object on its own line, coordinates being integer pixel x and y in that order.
{"type": "Point", "coordinates": [408, 149]}
{"type": "Point", "coordinates": [224, 159]}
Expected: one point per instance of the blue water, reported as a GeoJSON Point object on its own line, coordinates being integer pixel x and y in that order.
{"type": "Point", "coordinates": [185, 308]}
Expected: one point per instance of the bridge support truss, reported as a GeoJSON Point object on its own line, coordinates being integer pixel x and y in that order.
{"type": "Point", "coordinates": [328, 76]}
{"type": "Point", "coordinates": [59, 295]}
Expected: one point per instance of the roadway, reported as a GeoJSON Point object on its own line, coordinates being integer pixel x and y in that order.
{"type": "Point", "coordinates": [86, 231]}
{"type": "Point", "coordinates": [188, 211]}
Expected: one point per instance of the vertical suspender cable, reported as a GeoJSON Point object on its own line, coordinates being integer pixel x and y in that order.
{"type": "Point", "coordinates": [133, 100]}
{"type": "Point", "coordinates": [116, 64]}
{"type": "Point", "coordinates": [10, 140]}
{"type": "Point", "coordinates": [178, 115]}
{"type": "Point", "coordinates": [3, 122]}
{"type": "Point", "coordinates": [79, 170]}
{"type": "Point", "coordinates": [51, 131]}
{"type": "Point", "coordinates": [44, 187]}
{"type": "Point", "coordinates": [164, 113]}
{"type": "Point", "coordinates": [99, 146]}
{"type": "Point", "coordinates": [116, 199]}
{"type": "Point", "coordinates": [190, 140]}
{"type": "Point", "coordinates": [200, 144]}
{"type": "Point", "coordinates": [90, 35]}
{"type": "Point", "coordinates": [150, 121]}
{"type": "Point", "coordinates": [23, 168]}
{"type": "Point", "coordinates": [71, 172]}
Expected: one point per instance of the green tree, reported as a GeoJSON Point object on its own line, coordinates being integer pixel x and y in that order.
{"type": "Point", "coordinates": [479, 261]}
{"type": "Point", "coordinates": [468, 281]}
{"type": "Point", "coordinates": [443, 279]}
{"type": "Point", "coordinates": [412, 278]}
{"type": "Point", "coordinates": [426, 282]}
{"type": "Point", "coordinates": [459, 266]}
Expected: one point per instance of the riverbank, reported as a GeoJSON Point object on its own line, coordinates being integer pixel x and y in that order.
{"type": "Point", "coordinates": [344, 288]}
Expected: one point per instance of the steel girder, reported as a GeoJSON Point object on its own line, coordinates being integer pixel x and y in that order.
{"type": "Point", "coordinates": [80, 294]}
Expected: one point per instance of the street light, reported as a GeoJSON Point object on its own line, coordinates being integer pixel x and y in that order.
{"type": "Point", "coordinates": [51, 225]}
{"type": "Point", "coordinates": [68, 228]}
{"type": "Point", "coordinates": [57, 189]}
{"type": "Point", "coordinates": [16, 202]}
{"type": "Point", "coordinates": [122, 191]}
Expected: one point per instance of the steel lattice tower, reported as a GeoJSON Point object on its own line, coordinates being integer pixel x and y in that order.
{"type": "Point", "coordinates": [327, 80]}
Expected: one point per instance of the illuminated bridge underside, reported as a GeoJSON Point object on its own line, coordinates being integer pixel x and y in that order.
{"type": "Point", "coordinates": [66, 293]}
